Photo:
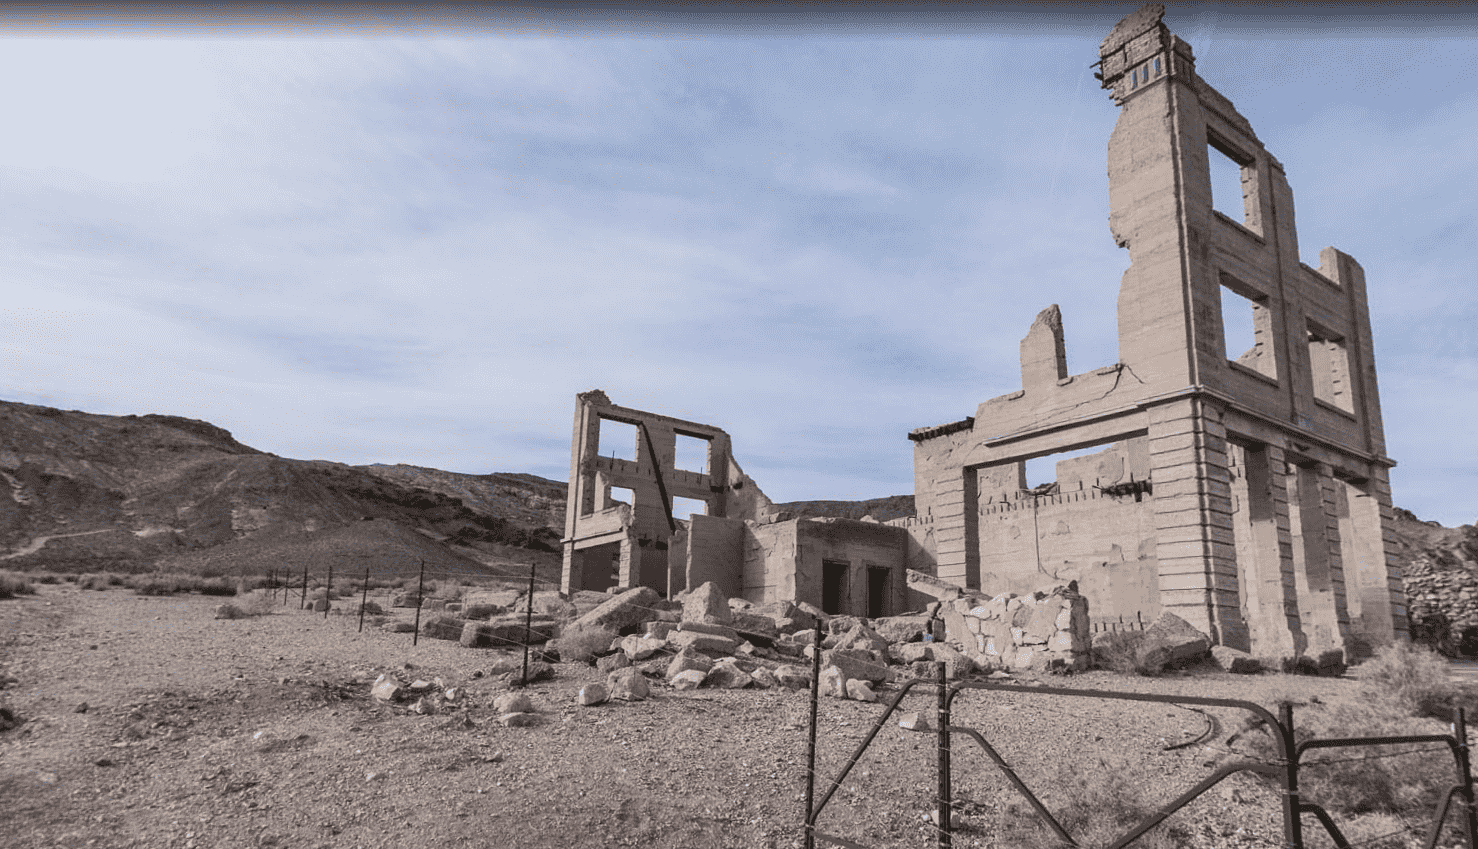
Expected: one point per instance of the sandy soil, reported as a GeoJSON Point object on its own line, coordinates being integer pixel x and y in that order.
{"type": "Point", "coordinates": [261, 732]}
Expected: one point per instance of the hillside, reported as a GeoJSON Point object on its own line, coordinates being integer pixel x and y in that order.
{"type": "Point", "coordinates": [92, 492]}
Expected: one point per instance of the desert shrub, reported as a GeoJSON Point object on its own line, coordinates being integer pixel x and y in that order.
{"type": "Point", "coordinates": [217, 586]}
{"type": "Point", "coordinates": [257, 603]}
{"type": "Point", "coordinates": [155, 584]}
{"type": "Point", "coordinates": [99, 580]}
{"type": "Point", "coordinates": [582, 645]}
{"type": "Point", "coordinates": [443, 628]}
{"type": "Point", "coordinates": [1417, 678]}
{"type": "Point", "coordinates": [1364, 787]}
{"type": "Point", "coordinates": [1094, 804]}
{"type": "Point", "coordinates": [47, 578]}
{"type": "Point", "coordinates": [14, 584]}
{"type": "Point", "coordinates": [1120, 652]}
{"type": "Point", "coordinates": [229, 611]}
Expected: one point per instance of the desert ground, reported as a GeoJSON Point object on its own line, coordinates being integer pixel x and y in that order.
{"type": "Point", "coordinates": [146, 722]}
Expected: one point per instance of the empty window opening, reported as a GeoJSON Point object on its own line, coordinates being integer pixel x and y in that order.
{"type": "Point", "coordinates": [618, 439]}
{"type": "Point", "coordinates": [1228, 193]}
{"type": "Point", "coordinates": [1246, 326]}
{"type": "Point", "coordinates": [684, 508]}
{"type": "Point", "coordinates": [1157, 66]}
{"type": "Point", "coordinates": [1330, 364]}
{"type": "Point", "coordinates": [833, 585]}
{"type": "Point", "coordinates": [877, 591]}
{"type": "Point", "coordinates": [691, 453]}
{"type": "Point", "coordinates": [622, 495]}
{"type": "Point", "coordinates": [1043, 470]}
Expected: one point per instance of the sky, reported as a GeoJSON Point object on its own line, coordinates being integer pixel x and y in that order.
{"type": "Point", "coordinates": [412, 237]}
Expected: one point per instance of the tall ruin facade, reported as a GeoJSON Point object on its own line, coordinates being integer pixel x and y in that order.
{"type": "Point", "coordinates": [1245, 491]}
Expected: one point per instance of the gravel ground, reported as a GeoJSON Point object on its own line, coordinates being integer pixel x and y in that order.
{"type": "Point", "coordinates": [260, 732]}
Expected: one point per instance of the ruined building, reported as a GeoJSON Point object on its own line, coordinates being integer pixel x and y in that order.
{"type": "Point", "coordinates": [1244, 490]}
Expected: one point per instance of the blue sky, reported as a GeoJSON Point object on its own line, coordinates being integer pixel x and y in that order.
{"type": "Point", "coordinates": [415, 241]}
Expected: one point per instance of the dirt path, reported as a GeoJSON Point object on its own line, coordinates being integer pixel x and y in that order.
{"type": "Point", "coordinates": [40, 542]}
{"type": "Point", "coordinates": [259, 732]}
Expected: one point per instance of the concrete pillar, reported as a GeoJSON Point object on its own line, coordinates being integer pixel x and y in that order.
{"type": "Point", "coordinates": [1265, 561]}
{"type": "Point", "coordinates": [1316, 556]}
{"type": "Point", "coordinates": [1364, 523]}
{"type": "Point", "coordinates": [1196, 546]}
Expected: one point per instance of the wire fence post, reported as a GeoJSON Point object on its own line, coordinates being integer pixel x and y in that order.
{"type": "Point", "coordinates": [811, 739]}
{"type": "Point", "coordinates": [528, 623]}
{"type": "Point", "coordinates": [420, 588]}
{"type": "Point", "coordinates": [303, 602]}
{"type": "Point", "coordinates": [1470, 819]}
{"type": "Point", "coordinates": [1292, 822]}
{"type": "Point", "coordinates": [363, 598]}
{"type": "Point", "coordinates": [942, 670]}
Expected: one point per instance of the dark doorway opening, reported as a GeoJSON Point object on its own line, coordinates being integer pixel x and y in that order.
{"type": "Point", "coordinates": [877, 591]}
{"type": "Point", "coordinates": [833, 585]}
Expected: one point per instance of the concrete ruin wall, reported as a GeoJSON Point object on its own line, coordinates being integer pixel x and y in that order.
{"type": "Point", "coordinates": [1265, 517]}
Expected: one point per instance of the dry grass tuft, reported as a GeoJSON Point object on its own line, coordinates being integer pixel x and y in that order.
{"type": "Point", "coordinates": [14, 584]}
{"type": "Point", "coordinates": [1416, 678]}
{"type": "Point", "coordinates": [1095, 805]}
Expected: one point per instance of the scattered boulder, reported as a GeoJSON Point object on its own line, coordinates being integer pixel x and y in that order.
{"type": "Point", "coordinates": [833, 683]}
{"type": "Point", "coordinates": [385, 689]}
{"type": "Point", "coordinates": [685, 660]}
{"type": "Point", "coordinates": [699, 641]}
{"type": "Point", "coordinates": [594, 693]}
{"type": "Point", "coordinates": [764, 678]}
{"type": "Point", "coordinates": [1235, 660]}
{"type": "Point", "coordinates": [443, 628]}
{"type": "Point", "coordinates": [855, 664]}
{"type": "Point", "coordinates": [626, 610]}
{"type": "Point", "coordinates": [901, 629]}
{"type": "Point", "coordinates": [611, 662]}
{"type": "Point", "coordinates": [839, 625]}
{"type": "Point", "coordinates": [726, 675]}
{"type": "Point", "coordinates": [706, 603]}
{"type": "Point", "coordinates": [513, 703]}
{"type": "Point", "coordinates": [1171, 641]}
{"type": "Point", "coordinates": [228, 611]}
{"type": "Point", "coordinates": [793, 677]}
{"type": "Point", "coordinates": [860, 636]}
{"type": "Point", "coordinates": [688, 679]}
{"type": "Point", "coordinates": [957, 665]}
{"type": "Point", "coordinates": [860, 691]}
{"type": "Point", "coordinates": [628, 685]}
{"type": "Point", "coordinates": [398, 627]}
{"type": "Point", "coordinates": [641, 648]}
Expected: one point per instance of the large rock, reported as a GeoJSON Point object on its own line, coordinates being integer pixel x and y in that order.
{"type": "Point", "coordinates": [860, 636]}
{"type": "Point", "coordinates": [764, 678]}
{"type": "Point", "coordinates": [791, 676]}
{"type": "Point", "coordinates": [855, 664]}
{"type": "Point", "coordinates": [860, 691]}
{"type": "Point", "coordinates": [728, 676]}
{"type": "Point", "coordinates": [385, 689]}
{"type": "Point", "coordinates": [443, 628]}
{"type": "Point", "coordinates": [706, 603]}
{"type": "Point", "coordinates": [707, 628]}
{"type": "Point", "coordinates": [901, 629]}
{"type": "Point", "coordinates": [932, 586]}
{"type": "Point", "coordinates": [698, 641]}
{"type": "Point", "coordinates": [1236, 661]}
{"type": "Point", "coordinates": [627, 610]}
{"type": "Point", "coordinates": [833, 682]}
{"type": "Point", "coordinates": [513, 703]}
{"type": "Point", "coordinates": [751, 625]}
{"type": "Point", "coordinates": [611, 662]}
{"type": "Point", "coordinates": [841, 624]}
{"type": "Point", "coordinates": [490, 598]}
{"type": "Point", "coordinates": [685, 660]}
{"type": "Point", "coordinates": [688, 679]}
{"type": "Point", "coordinates": [957, 664]}
{"type": "Point", "coordinates": [957, 631]}
{"type": "Point", "coordinates": [594, 693]}
{"type": "Point", "coordinates": [508, 631]}
{"type": "Point", "coordinates": [628, 685]}
{"type": "Point", "coordinates": [641, 648]}
{"type": "Point", "coordinates": [1171, 641]}
{"type": "Point", "coordinates": [481, 611]}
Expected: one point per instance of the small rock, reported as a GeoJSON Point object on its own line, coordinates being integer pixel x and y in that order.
{"type": "Point", "coordinates": [628, 685]}
{"type": "Point", "coordinates": [373, 776]}
{"type": "Point", "coordinates": [793, 677]}
{"type": "Point", "coordinates": [385, 689]}
{"type": "Point", "coordinates": [764, 678]}
{"type": "Point", "coordinates": [519, 720]}
{"type": "Point", "coordinates": [914, 721]}
{"type": "Point", "coordinates": [688, 679]}
{"type": "Point", "coordinates": [81, 708]}
{"type": "Point", "coordinates": [513, 703]}
{"type": "Point", "coordinates": [423, 707]}
{"type": "Point", "coordinates": [594, 693]}
{"type": "Point", "coordinates": [728, 676]}
{"type": "Point", "coordinates": [833, 683]}
{"type": "Point", "coordinates": [860, 691]}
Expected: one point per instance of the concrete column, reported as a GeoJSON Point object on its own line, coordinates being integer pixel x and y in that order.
{"type": "Point", "coordinates": [1319, 572]}
{"type": "Point", "coordinates": [950, 516]}
{"type": "Point", "coordinates": [1377, 602]}
{"type": "Point", "coordinates": [1196, 546]}
{"type": "Point", "coordinates": [1266, 561]}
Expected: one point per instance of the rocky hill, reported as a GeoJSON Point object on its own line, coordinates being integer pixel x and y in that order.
{"type": "Point", "coordinates": [92, 492]}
